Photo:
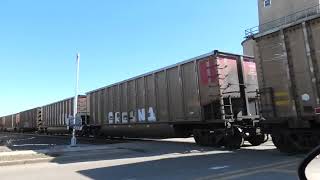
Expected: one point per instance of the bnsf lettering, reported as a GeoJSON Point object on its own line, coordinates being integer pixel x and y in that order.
{"type": "Point", "coordinates": [122, 117]}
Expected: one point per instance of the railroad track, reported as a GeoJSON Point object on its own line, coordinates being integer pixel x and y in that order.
{"type": "Point", "coordinates": [93, 140]}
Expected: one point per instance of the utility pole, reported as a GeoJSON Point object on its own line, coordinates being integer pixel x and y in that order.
{"type": "Point", "coordinates": [75, 106]}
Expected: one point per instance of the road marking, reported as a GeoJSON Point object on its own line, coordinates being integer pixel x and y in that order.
{"type": "Point", "coordinates": [21, 145]}
{"type": "Point", "coordinates": [236, 176]}
{"type": "Point", "coordinates": [14, 140]}
{"type": "Point", "coordinates": [284, 171]}
{"type": "Point", "coordinates": [218, 167]}
{"type": "Point", "coordinates": [252, 170]}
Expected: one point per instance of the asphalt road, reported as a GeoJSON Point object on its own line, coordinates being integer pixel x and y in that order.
{"type": "Point", "coordinates": [164, 159]}
{"type": "Point", "coordinates": [18, 141]}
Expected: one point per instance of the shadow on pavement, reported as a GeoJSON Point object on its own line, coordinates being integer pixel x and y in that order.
{"type": "Point", "coordinates": [208, 163]}
{"type": "Point", "coordinates": [153, 148]}
{"type": "Point", "coordinates": [162, 159]}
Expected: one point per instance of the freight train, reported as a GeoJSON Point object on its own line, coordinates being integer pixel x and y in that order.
{"type": "Point", "coordinates": [288, 66]}
{"type": "Point", "coordinates": [221, 99]}
{"type": "Point", "coordinates": [26, 121]}
{"type": "Point", "coordinates": [211, 97]}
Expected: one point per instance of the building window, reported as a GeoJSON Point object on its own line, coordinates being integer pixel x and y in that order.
{"type": "Point", "coordinates": [267, 3]}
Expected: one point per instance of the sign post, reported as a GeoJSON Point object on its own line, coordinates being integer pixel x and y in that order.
{"type": "Point", "coordinates": [75, 106]}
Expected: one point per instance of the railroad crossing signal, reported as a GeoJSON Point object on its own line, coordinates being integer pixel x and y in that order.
{"type": "Point", "coordinates": [77, 125]}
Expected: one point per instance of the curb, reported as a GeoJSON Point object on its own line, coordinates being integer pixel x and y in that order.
{"type": "Point", "coordinates": [16, 153]}
{"type": "Point", "coordinates": [58, 149]}
{"type": "Point", "coordinates": [49, 158]}
{"type": "Point", "coordinates": [49, 153]}
{"type": "Point", "coordinates": [25, 161]}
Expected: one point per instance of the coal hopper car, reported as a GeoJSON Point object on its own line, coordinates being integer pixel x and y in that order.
{"type": "Point", "coordinates": [56, 116]}
{"type": "Point", "coordinates": [9, 122]}
{"type": "Point", "coordinates": [28, 120]}
{"type": "Point", "coordinates": [212, 97]}
{"type": "Point", "coordinates": [1, 123]}
{"type": "Point", "coordinates": [288, 66]}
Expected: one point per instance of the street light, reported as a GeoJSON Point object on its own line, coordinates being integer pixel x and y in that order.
{"type": "Point", "coordinates": [75, 106]}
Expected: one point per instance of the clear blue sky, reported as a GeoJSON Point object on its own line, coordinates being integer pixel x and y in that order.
{"type": "Point", "coordinates": [116, 39]}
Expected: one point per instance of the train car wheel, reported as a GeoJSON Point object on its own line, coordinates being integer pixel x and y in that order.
{"type": "Point", "coordinates": [202, 137]}
{"type": "Point", "coordinates": [216, 138]}
{"type": "Point", "coordinates": [234, 139]}
{"type": "Point", "coordinates": [197, 139]}
{"type": "Point", "coordinates": [282, 142]}
{"type": "Point", "coordinates": [256, 140]}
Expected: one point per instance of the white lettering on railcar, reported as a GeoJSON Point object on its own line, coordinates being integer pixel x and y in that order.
{"type": "Point", "coordinates": [151, 115]}
{"type": "Point", "coordinates": [132, 116]}
{"type": "Point", "coordinates": [117, 118]}
{"type": "Point", "coordinates": [140, 114]}
{"type": "Point", "coordinates": [124, 117]}
{"type": "Point", "coordinates": [110, 117]}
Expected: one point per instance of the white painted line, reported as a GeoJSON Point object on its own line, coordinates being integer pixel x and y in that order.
{"type": "Point", "coordinates": [14, 140]}
{"type": "Point", "coordinates": [13, 153]}
{"type": "Point", "coordinates": [22, 145]}
{"type": "Point", "coordinates": [26, 161]}
{"type": "Point", "coordinates": [218, 167]}
{"type": "Point", "coordinates": [62, 149]}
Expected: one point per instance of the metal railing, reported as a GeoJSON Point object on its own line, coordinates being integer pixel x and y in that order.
{"type": "Point", "coordinates": [283, 21]}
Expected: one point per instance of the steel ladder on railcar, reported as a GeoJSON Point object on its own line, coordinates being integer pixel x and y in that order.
{"type": "Point", "coordinates": [226, 110]}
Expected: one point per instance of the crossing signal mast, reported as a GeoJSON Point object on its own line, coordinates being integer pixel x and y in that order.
{"type": "Point", "coordinates": [75, 107]}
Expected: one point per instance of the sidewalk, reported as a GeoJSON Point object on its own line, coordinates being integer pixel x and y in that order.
{"type": "Point", "coordinates": [45, 155]}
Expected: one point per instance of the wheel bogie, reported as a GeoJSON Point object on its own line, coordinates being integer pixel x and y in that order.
{"type": "Point", "coordinates": [295, 140]}
{"type": "Point", "coordinates": [229, 138]}
{"type": "Point", "coordinates": [257, 139]}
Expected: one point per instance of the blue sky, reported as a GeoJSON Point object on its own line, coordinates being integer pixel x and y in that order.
{"type": "Point", "coordinates": [116, 39]}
